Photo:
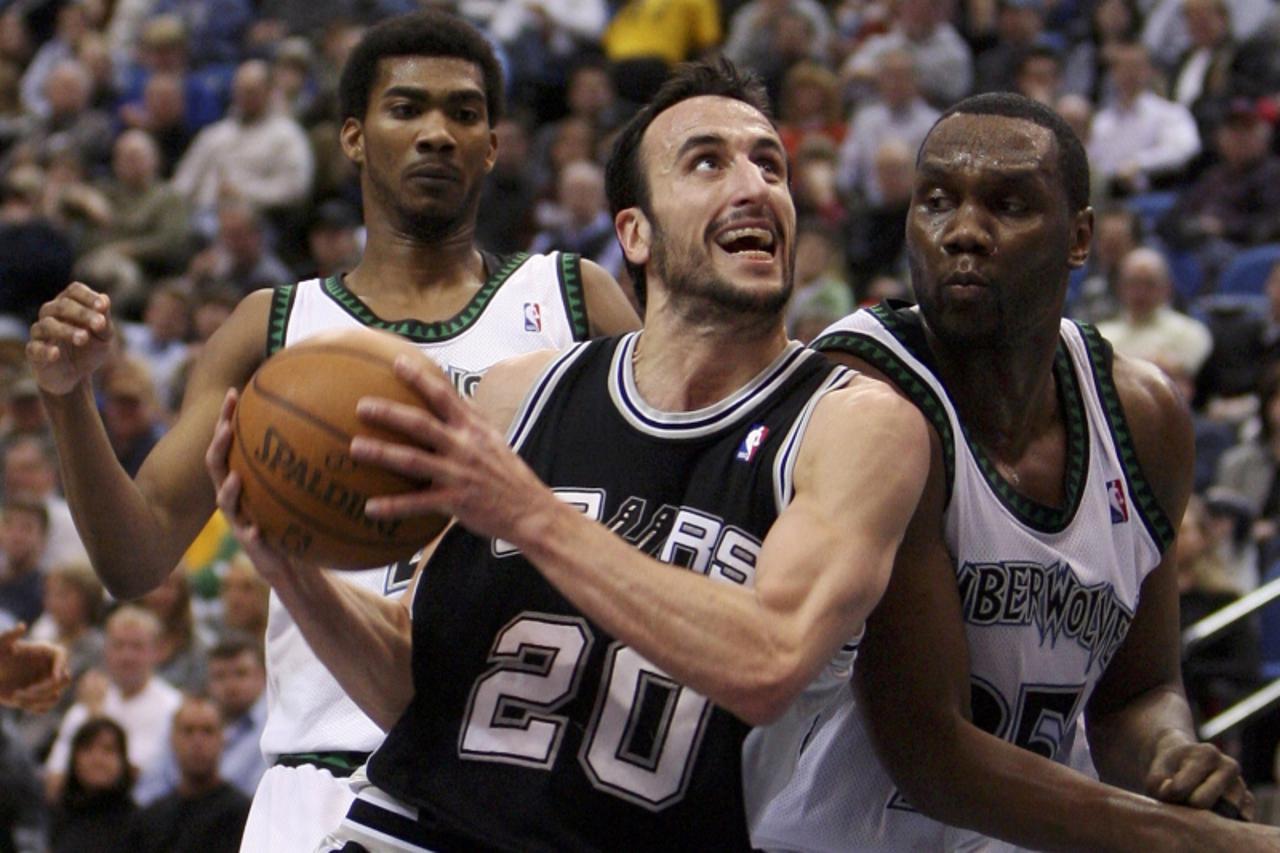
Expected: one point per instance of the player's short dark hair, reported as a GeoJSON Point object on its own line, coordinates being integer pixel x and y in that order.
{"type": "Point", "coordinates": [1073, 163]}
{"type": "Point", "coordinates": [431, 32]}
{"type": "Point", "coordinates": [626, 183]}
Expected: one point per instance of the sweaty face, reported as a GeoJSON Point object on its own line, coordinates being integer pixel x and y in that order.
{"type": "Point", "coordinates": [721, 218]}
{"type": "Point", "coordinates": [990, 240]}
{"type": "Point", "coordinates": [425, 143]}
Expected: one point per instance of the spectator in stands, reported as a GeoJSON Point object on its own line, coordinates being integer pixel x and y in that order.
{"type": "Point", "coordinates": [821, 294]}
{"type": "Point", "coordinates": [294, 88]}
{"type": "Point", "coordinates": [181, 656]}
{"type": "Point", "coordinates": [898, 113]}
{"type": "Point", "coordinates": [130, 694]}
{"type": "Point", "coordinates": [1117, 232]}
{"type": "Point", "coordinates": [24, 532]}
{"type": "Point", "coordinates": [810, 106]}
{"type": "Point", "coordinates": [1203, 72]}
{"type": "Point", "coordinates": [24, 413]}
{"type": "Point", "coordinates": [35, 256]}
{"type": "Point", "coordinates": [334, 240]}
{"type": "Point", "coordinates": [1166, 30]}
{"type": "Point", "coordinates": [164, 50]}
{"type": "Point", "coordinates": [71, 27]}
{"type": "Point", "coordinates": [877, 238]}
{"type": "Point", "coordinates": [162, 113]}
{"type": "Point", "coordinates": [215, 28]}
{"type": "Point", "coordinates": [71, 123]}
{"type": "Point", "coordinates": [1139, 138]}
{"type": "Point", "coordinates": [245, 599]}
{"type": "Point", "coordinates": [1038, 74]}
{"type": "Point", "coordinates": [139, 226]}
{"type": "Point", "coordinates": [205, 813]}
{"type": "Point", "coordinates": [645, 38]}
{"type": "Point", "coordinates": [96, 810]}
{"type": "Point", "coordinates": [1236, 203]}
{"type": "Point", "coordinates": [772, 36]}
{"type": "Point", "coordinates": [943, 61]}
{"type": "Point", "coordinates": [131, 411]}
{"type": "Point", "coordinates": [582, 221]}
{"type": "Point", "coordinates": [1019, 29]}
{"type": "Point", "coordinates": [160, 340]}
{"type": "Point", "coordinates": [813, 182]}
{"type": "Point", "coordinates": [238, 684]}
{"type": "Point", "coordinates": [1148, 327]}
{"type": "Point", "coordinates": [239, 257]}
{"type": "Point", "coordinates": [73, 601]}
{"type": "Point", "coordinates": [1250, 471]}
{"type": "Point", "coordinates": [509, 193]}
{"type": "Point", "coordinates": [540, 42]}
{"type": "Point", "coordinates": [31, 469]}
{"type": "Point", "coordinates": [23, 817]}
{"type": "Point", "coordinates": [253, 154]}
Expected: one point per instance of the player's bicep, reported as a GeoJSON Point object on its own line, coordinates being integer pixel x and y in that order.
{"type": "Point", "coordinates": [859, 475]}
{"type": "Point", "coordinates": [173, 476]}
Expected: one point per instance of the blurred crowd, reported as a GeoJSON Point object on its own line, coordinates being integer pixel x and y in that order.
{"type": "Point", "coordinates": [177, 154]}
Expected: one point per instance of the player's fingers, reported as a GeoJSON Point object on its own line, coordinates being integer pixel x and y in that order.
{"type": "Point", "coordinates": [410, 505]}
{"type": "Point", "coordinates": [417, 424]}
{"type": "Point", "coordinates": [436, 390]}
{"type": "Point", "coordinates": [81, 307]}
{"type": "Point", "coordinates": [11, 636]}
{"type": "Point", "coordinates": [1204, 772]}
{"type": "Point", "coordinates": [228, 497]}
{"type": "Point", "coordinates": [215, 457]}
{"type": "Point", "coordinates": [406, 460]}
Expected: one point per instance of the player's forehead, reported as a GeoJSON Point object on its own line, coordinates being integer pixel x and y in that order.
{"type": "Point", "coordinates": [989, 143]}
{"type": "Point", "coordinates": [432, 76]}
{"type": "Point", "coordinates": [714, 118]}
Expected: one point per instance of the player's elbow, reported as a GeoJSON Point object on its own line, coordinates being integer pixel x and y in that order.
{"type": "Point", "coordinates": [773, 685]}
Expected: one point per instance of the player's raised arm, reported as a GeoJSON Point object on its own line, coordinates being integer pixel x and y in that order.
{"type": "Point", "coordinates": [822, 568]}
{"type": "Point", "coordinates": [135, 529]}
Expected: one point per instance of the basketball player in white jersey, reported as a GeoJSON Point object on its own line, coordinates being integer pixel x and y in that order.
{"type": "Point", "coordinates": [420, 95]}
{"type": "Point", "coordinates": [582, 664]}
{"type": "Point", "coordinates": [1036, 585]}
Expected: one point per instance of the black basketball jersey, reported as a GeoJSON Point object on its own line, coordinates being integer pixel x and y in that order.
{"type": "Point", "coordinates": [533, 729]}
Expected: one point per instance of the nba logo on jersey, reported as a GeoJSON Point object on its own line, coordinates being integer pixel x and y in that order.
{"type": "Point", "coordinates": [751, 444]}
{"type": "Point", "coordinates": [532, 317]}
{"type": "Point", "coordinates": [1119, 506]}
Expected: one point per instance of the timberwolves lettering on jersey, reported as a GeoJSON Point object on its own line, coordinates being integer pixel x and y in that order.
{"type": "Point", "coordinates": [531, 728]}
{"type": "Point", "coordinates": [1049, 598]}
{"type": "Point", "coordinates": [307, 711]}
{"type": "Point", "coordinates": [1048, 593]}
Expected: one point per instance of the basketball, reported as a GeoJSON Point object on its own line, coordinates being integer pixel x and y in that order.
{"type": "Point", "coordinates": [291, 439]}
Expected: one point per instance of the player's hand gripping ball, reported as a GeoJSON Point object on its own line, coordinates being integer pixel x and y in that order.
{"type": "Point", "coordinates": [291, 440]}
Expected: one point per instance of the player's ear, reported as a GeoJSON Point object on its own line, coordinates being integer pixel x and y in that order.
{"type": "Point", "coordinates": [492, 156]}
{"type": "Point", "coordinates": [635, 234]}
{"type": "Point", "coordinates": [351, 138]}
{"type": "Point", "coordinates": [1081, 238]}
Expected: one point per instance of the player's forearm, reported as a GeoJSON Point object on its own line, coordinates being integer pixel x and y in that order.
{"type": "Point", "coordinates": [125, 540]}
{"type": "Point", "coordinates": [709, 635]}
{"type": "Point", "coordinates": [988, 785]}
{"type": "Point", "coordinates": [364, 640]}
{"type": "Point", "coordinates": [1124, 740]}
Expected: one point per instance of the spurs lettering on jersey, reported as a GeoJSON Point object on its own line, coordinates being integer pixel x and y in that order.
{"type": "Point", "coordinates": [680, 535]}
{"type": "Point", "coordinates": [1052, 599]}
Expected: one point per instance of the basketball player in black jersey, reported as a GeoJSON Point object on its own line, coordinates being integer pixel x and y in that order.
{"type": "Point", "coordinates": [692, 523]}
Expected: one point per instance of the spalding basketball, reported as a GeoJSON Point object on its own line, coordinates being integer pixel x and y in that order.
{"type": "Point", "coordinates": [291, 439]}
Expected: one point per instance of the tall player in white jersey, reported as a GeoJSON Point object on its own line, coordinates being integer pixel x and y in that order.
{"type": "Point", "coordinates": [420, 95]}
{"type": "Point", "coordinates": [1036, 583]}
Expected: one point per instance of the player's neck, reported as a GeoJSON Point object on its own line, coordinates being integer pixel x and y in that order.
{"type": "Point", "coordinates": [395, 264]}
{"type": "Point", "coordinates": [682, 369]}
{"type": "Point", "coordinates": [1006, 397]}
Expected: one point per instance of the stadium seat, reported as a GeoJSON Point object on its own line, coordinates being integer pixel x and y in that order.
{"type": "Point", "coordinates": [1247, 273]}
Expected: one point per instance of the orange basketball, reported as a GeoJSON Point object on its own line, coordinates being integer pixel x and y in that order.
{"type": "Point", "coordinates": [292, 436]}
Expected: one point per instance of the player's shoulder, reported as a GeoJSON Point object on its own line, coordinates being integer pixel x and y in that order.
{"type": "Point", "coordinates": [870, 409]}
{"type": "Point", "coordinates": [1159, 420]}
{"type": "Point", "coordinates": [242, 338]}
{"type": "Point", "coordinates": [506, 384]}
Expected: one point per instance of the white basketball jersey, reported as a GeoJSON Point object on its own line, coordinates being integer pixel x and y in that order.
{"type": "Point", "coordinates": [528, 303]}
{"type": "Point", "coordinates": [1047, 594]}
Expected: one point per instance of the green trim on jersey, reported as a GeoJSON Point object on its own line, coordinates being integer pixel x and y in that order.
{"type": "Point", "coordinates": [872, 351]}
{"type": "Point", "coordinates": [278, 319]}
{"type": "Point", "coordinates": [416, 330]}
{"type": "Point", "coordinates": [1038, 516]}
{"type": "Point", "coordinates": [575, 300]}
{"type": "Point", "coordinates": [1153, 516]}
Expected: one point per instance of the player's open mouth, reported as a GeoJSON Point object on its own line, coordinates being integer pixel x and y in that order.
{"type": "Point", "coordinates": [748, 242]}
